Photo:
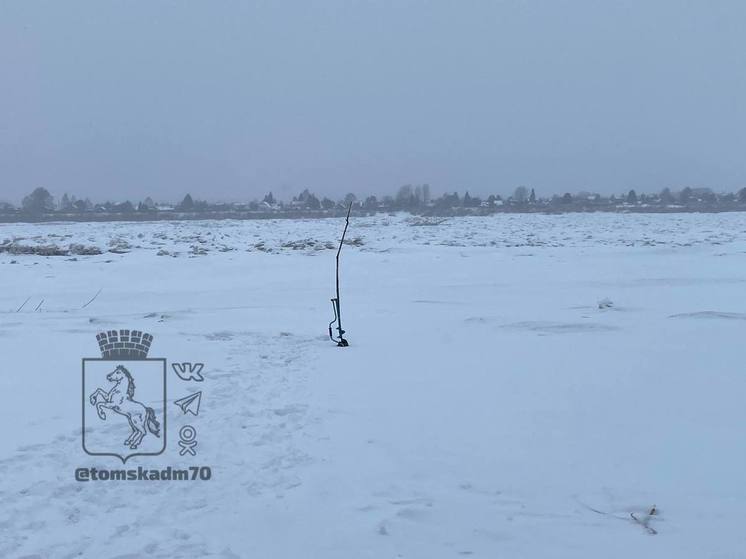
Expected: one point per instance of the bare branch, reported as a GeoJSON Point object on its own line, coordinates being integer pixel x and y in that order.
{"type": "Point", "coordinates": [94, 298]}
{"type": "Point", "coordinates": [24, 304]}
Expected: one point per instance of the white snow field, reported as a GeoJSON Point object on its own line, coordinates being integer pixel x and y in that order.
{"type": "Point", "coordinates": [486, 406]}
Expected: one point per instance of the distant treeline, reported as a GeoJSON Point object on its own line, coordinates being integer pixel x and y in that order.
{"type": "Point", "coordinates": [40, 205]}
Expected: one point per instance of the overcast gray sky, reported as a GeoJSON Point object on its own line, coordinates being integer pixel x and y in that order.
{"type": "Point", "coordinates": [227, 100]}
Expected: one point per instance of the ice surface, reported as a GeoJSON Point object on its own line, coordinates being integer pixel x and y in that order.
{"type": "Point", "coordinates": [486, 407]}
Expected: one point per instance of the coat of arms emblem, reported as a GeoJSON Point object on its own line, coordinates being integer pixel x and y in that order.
{"type": "Point", "coordinates": [124, 397]}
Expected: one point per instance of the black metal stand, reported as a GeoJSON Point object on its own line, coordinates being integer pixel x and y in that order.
{"type": "Point", "coordinates": [339, 339]}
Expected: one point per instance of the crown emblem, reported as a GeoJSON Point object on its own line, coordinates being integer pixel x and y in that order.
{"type": "Point", "coordinates": [124, 344]}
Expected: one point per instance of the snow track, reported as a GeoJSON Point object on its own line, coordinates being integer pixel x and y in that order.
{"type": "Point", "coordinates": [254, 405]}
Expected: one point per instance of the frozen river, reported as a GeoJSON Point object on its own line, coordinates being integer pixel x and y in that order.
{"type": "Point", "coordinates": [487, 406]}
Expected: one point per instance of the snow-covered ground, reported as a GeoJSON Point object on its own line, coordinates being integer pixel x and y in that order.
{"type": "Point", "coordinates": [486, 407]}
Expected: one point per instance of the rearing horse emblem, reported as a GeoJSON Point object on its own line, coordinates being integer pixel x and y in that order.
{"type": "Point", "coordinates": [124, 397]}
{"type": "Point", "coordinates": [120, 399]}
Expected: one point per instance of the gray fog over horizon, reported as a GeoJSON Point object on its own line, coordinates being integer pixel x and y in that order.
{"type": "Point", "coordinates": [229, 100]}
